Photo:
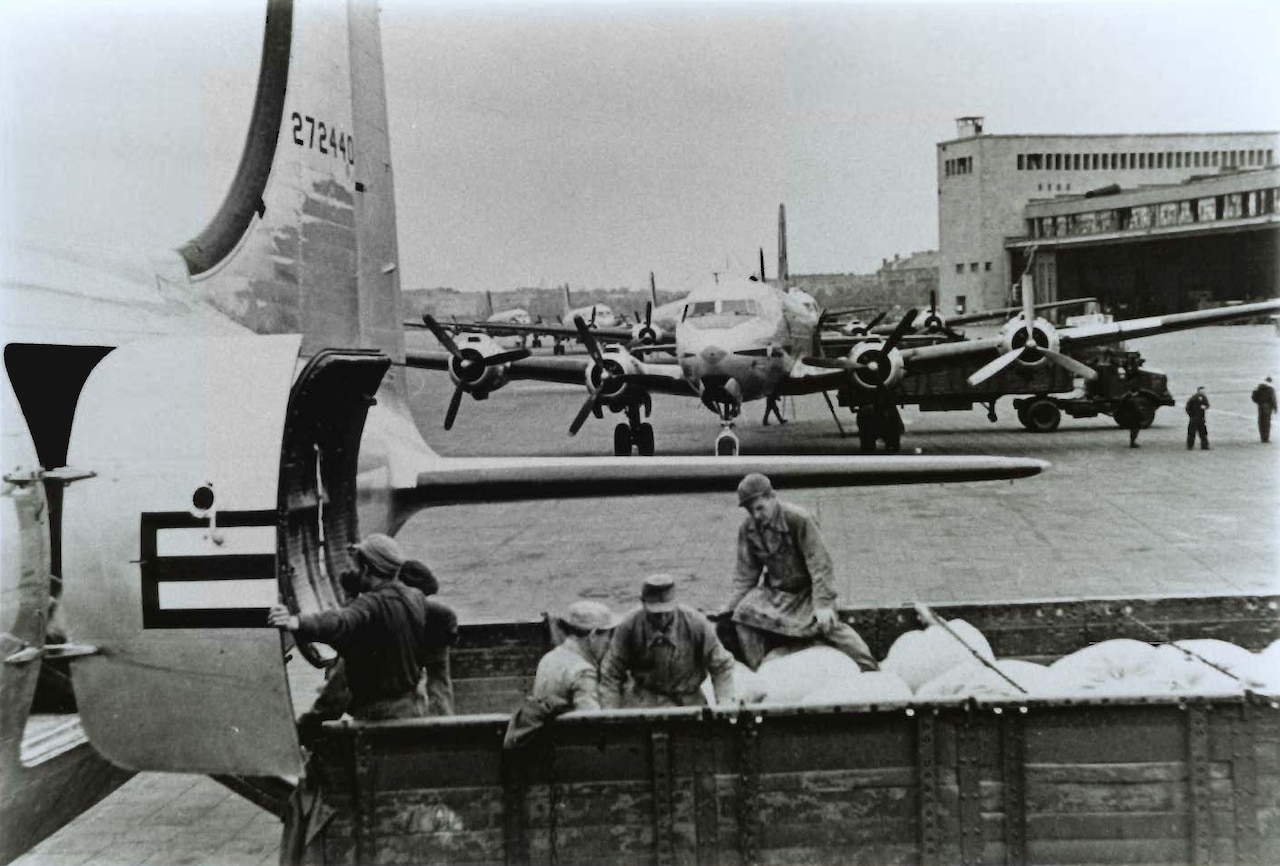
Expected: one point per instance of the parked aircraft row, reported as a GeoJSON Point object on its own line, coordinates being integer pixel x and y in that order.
{"type": "Point", "coordinates": [190, 435]}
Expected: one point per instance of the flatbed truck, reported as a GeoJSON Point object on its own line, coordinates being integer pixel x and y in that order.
{"type": "Point", "coordinates": [1097, 780]}
{"type": "Point", "coordinates": [1038, 406]}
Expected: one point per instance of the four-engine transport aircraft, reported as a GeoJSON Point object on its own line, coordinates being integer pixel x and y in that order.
{"type": "Point", "coordinates": [742, 340]}
{"type": "Point", "coordinates": [191, 435]}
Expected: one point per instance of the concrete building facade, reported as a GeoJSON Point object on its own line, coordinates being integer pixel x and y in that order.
{"type": "Point", "coordinates": [987, 182]}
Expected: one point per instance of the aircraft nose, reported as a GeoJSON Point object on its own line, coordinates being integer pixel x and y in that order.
{"type": "Point", "coordinates": [713, 354]}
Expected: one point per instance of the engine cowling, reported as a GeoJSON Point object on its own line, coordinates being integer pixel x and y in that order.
{"type": "Point", "coordinates": [1015, 337]}
{"type": "Point", "coordinates": [606, 378]}
{"type": "Point", "coordinates": [644, 334]}
{"type": "Point", "coordinates": [874, 366]}
{"type": "Point", "coordinates": [467, 368]}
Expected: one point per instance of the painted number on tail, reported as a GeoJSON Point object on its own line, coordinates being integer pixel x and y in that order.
{"type": "Point", "coordinates": [319, 135]}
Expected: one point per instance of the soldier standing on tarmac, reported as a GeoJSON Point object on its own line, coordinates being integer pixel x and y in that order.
{"type": "Point", "coordinates": [1197, 405]}
{"type": "Point", "coordinates": [1129, 413]}
{"type": "Point", "coordinates": [1265, 396]}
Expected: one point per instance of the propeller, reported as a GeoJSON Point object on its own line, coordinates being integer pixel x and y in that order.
{"type": "Point", "coordinates": [468, 365]}
{"type": "Point", "coordinates": [879, 363]}
{"type": "Point", "coordinates": [1029, 351]}
{"type": "Point", "coordinates": [607, 372]}
{"type": "Point", "coordinates": [647, 334]}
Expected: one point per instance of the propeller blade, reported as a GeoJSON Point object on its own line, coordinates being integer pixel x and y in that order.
{"type": "Point", "coordinates": [588, 339]}
{"type": "Point", "coordinates": [1070, 363]}
{"type": "Point", "coordinates": [506, 357]}
{"type": "Point", "coordinates": [452, 413]}
{"type": "Point", "coordinates": [441, 335]}
{"type": "Point", "coordinates": [933, 301]}
{"type": "Point", "coordinates": [901, 331]}
{"type": "Point", "coordinates": [581, 417]}
{"type": "Point", "coordinates": [877, 320]}
{"type": "Point", "coordinates": [648, 314]}
{"type": "Point", "coordinates": [986, 372]}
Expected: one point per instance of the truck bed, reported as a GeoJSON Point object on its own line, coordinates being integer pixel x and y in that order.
{"type": "Point", "coordinates": [1033, 781]}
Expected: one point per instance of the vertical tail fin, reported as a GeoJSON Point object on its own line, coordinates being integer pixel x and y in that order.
{"type": "Point", "coordinates": [784, 273]}
{"type": "Point", "coordinates": [305, 240]}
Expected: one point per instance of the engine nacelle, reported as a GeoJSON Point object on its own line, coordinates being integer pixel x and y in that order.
{"type": "Point", "coordinates": [933, 322]}
{"type": "Point", "coordinates": [469, 372]}
{"type": "Point", "coordinates": [1014, 336]}
{"type": "Point", "coordinates": [879, 368]}
{"type": "Point", "coordinates": [644, 335]}
{"type": "Point", "coordinates": [607, 378]}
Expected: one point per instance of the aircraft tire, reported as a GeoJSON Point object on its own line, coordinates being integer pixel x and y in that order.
{"type": "Point", "coordinates": [622, 441]}
{"type": "Point", "coordinates": [644, 440]}
{"type": "Point", "coordinates": [1042, 416]}
{"type": "Point", "coordinates": [726, 445]}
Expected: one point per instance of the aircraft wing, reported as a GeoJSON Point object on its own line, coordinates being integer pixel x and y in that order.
{"type": "Point", "coordinates": [656, 378]}
{"type": "Point", "coordinates": [458, 480]}
{"type": "Point", "coordinates": [515, 328]}
{"type": "Point", "coordinates": [1009, 312]}
{"type": "Point", "coordinates": [806, 379]}
{"type": "Point", "coordinates": [941, 355]}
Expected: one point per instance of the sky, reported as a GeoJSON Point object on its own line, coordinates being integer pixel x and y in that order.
{"type": "Point", "coordinates": [538, 144]}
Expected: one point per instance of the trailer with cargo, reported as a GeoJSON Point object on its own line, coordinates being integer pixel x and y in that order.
{"type": "Point", "coordinates": [1095, 779]}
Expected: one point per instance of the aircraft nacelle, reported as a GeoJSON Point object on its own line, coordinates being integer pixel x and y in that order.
{"type": "Point", "coordinates": [212, 478]}
{"type": "Point", "coordinates": [607, 378]}
{"type": "Point", "coordinates": [1015, 336]}
{"type": "Point", "coordinates": [645, 334]}
{"type": "Point", "coordinates": [874, 367]}
{"type": "Point", "coordinates": [469, 373]}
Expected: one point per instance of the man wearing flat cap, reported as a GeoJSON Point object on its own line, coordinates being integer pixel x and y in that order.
{"type": "Point", "coordinates": [668, 649]}
{"type": "Point", "coordinates": [383, 637]}
{"type": "Point", "coordinates": [783, 590]}
{"type": "Point", "coordinates": [569, 675]}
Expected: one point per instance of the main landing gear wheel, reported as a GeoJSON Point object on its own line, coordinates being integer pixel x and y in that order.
{"type": "Point", "coordinates": [644, 440]}
{"type": "Point", "coordinates": [622, 440]}
{"type": "Point", "coordinates": [727, 444]}
{"type": "Point", "coordinates": [1041, 415]}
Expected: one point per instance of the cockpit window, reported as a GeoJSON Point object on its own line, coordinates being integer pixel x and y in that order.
{"type": "Point", "coordinates": [743, 307]}
{"type": "Point", "coordinates": [701, 308]}
{"type": "Point", "coordinates": [724, 313]}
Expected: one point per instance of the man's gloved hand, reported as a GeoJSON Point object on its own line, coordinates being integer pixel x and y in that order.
{"type": "Point", "coordinates": [826, 618]}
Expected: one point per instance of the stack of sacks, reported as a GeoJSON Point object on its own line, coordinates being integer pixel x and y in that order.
{"type": "Point", "coordinates": [748, 687]}
{"type": "Point", "coordinates": [870, 687]}
{"type": "Point", "coordinates": [920, 656]}
{"type": "Point", "coordinates": [1179, 673]}
{"type": "Point", "coordinates": [1111, 668]}
{"type": "Point", "coordinates": [1267, 669]}
{"type": "Point", "coordinates": [790, 675]}
{"type": "Point", "coordinates": [973, 679]}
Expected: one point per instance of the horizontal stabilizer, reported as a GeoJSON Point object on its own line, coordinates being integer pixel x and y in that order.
{"type": "Point", "coordinates": [476, 480]}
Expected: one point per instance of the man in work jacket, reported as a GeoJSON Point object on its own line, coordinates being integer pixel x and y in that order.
{"type": "Point", "coordinates": [668, 649]}
{"type": "Point", "coordinates": [1197, 405]}
{"type": "Point", "coordinates": [381, 635]}
{"type": "Point", "coordinates": [783, 589]}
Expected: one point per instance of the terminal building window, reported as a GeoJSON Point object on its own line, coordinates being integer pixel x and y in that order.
{"type": "Point", "coordinates": [960, 267]}
{"type": "Point", "coordinates": [973, 267]}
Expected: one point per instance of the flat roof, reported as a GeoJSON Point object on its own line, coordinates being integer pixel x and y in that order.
{"type": "Point", "coordinates": [1109, 135]}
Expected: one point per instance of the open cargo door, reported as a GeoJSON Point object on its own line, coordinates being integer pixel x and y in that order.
{"type": "Point", "coordinates": [178, 546]}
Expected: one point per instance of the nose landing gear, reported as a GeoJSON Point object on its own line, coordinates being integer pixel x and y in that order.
{"type": "Point", "coordinates": [727, 442]}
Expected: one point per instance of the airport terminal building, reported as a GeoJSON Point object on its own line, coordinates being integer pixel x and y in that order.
{"type": "Point", "coordinates": [1147, 223]}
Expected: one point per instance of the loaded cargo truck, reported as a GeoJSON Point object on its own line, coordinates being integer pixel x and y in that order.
{"type": "Point", "coordinates": [1172, 779]}
{"type": "Point", "coordinates": [1040, 410]}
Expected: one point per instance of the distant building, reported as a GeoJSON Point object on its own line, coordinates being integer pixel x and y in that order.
{"type": "Point", "coordinates": [909, 281]}
{"type": "Point", "coordinates": [994, 190]}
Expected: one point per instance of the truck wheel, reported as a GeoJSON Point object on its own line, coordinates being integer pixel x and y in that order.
{"type": "Point", "coordinates": [1146, 411]}
{"type": "Point", "coordinates": [1042, 416]}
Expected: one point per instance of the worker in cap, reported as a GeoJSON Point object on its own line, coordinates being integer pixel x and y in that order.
{"type": "Point", "coordinates": [569, 675]}
{"type": "Point", "coordinates": [381, 636]}
{"type": "Point", "coordinates": [668, 649]}
{"type": "Point", "coordinates": [783, 590]}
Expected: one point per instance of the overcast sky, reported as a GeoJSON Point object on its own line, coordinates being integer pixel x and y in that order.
{"type": "Point", "coordinates": [535, 144]}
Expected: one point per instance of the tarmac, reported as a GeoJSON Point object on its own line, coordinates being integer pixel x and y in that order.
{"type": "Point", "coordinates": [1102, 521]}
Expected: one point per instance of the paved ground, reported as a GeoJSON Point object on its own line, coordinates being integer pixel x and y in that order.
{"type": "Point", "coordinates": [1102, 521]}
